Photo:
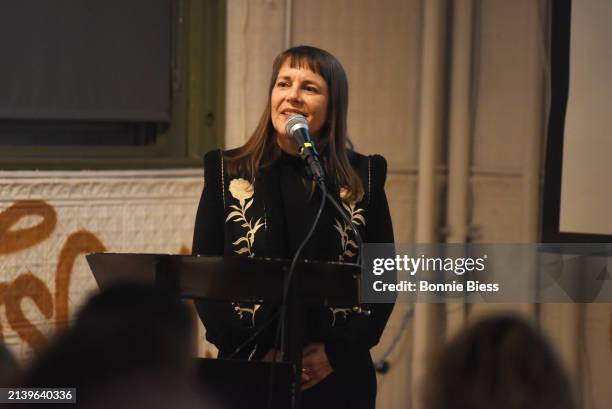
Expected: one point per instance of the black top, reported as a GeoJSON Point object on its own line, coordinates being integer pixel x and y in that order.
{"type": "Point", "coordinates": [270, 219]}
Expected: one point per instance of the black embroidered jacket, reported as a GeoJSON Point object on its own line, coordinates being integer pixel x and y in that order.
{"type": "Point", "coordinates": [270, 219]}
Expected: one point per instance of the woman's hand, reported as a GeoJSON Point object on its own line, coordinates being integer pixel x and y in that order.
{"type": "Point", "coordinates": [315, 365]}
{"type": "Point", "coordinates": [270, 356]}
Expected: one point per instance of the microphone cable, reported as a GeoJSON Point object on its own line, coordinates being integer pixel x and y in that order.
{"type": "Point", "coordinates": [283, 312]}
{"type": "Point", "coordinates": [261, 329]}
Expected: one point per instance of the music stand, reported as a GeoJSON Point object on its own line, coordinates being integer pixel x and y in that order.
{"type": "Point", "coordinates": [241, 279]}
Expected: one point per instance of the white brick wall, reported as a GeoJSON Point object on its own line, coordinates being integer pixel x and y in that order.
{"type": "Point", "coordinates": [126, 211]}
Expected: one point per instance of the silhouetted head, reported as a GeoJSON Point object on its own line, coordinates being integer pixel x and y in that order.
{"type": "Point", "coordinates": [122, 332]}
{"type": "Point", "coordinates": [8, 367]}
{"type": "Point", "coordinates": [502, 363]}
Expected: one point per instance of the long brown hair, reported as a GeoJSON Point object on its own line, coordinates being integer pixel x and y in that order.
{"type": "Point", "coordinates": [261, 148]}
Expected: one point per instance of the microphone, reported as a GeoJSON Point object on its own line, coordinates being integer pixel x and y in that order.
{"type": "Point", "coordinates": [297, 127]}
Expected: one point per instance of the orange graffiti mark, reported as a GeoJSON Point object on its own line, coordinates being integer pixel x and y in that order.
{"type": "Point", "coordinates": [28, 286]}
{"type": "Point", "coordinates": [184, 250]}
{"type": "Point", "coordinates": [81, 242]}
{"type": "Point", "coordinates": [12, 241]}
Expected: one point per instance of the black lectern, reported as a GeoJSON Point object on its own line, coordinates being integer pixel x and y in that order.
{"type": "Point", "coordinates": [242, 279]}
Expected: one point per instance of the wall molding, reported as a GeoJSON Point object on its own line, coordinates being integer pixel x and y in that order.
{"type": "Point", "coordinates": [100, 185]}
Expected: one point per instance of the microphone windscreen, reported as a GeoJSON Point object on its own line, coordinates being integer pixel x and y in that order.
{"type": "Point", "coordinates": [294, 122]}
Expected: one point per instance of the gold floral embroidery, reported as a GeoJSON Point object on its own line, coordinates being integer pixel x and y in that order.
{"type": "Point", "coordinates": [242, 190]}
{"type": "Point", "coordinates": [242, 310]}
{"type": "Point", "coordinates": [343, 311]}
{"type": "Point", "coordinates": [349, 247]}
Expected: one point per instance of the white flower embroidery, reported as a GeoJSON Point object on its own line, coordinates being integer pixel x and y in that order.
{"type": "Point", "coordinates": [241, 310]}
{"type": "Point", "coordinates": [349, 247]}
{"type": "Point", "coordinates": [343, 311]}
{"type": "Point", "coordinates": [242, 190]}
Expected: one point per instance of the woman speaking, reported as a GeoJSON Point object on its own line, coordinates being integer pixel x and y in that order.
{"type": "Point", "coordinates": [260, 201]}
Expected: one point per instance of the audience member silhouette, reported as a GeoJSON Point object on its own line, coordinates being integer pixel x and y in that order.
{"type": "Point", "coordinates": [129, 342]}
{"type": "Point", "coordinates": [500, 362]}
{"type": "Point", "coordinates": [8, 366]}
